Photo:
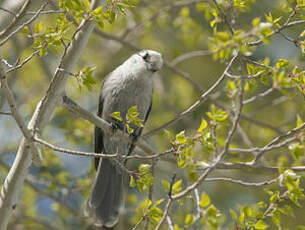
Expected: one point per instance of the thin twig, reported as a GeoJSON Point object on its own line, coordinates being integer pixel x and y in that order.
{"type": "Point", "coordinates": [243, 183]}
{"type": "Point", "coordinates": [223, 14]}
{"type": "Point", "coordinates": [251, 166]}
{"type": "Point", "coordinates": [9, 11]}
{"type": "Point", "coordinates": [197, 199]}
{"type": "Point", "coordinates": [165, 213]}
{"type": "Point", "coordinates": [286, 25]}
{"type": "Point", "coordinates": [139, 222]}
{"type": "Point", "coordinates": [23, 25]}
{"type": "Point", "coordinates": [47, 12]}
{"type": "Point", "coordinates": [151, 190]}
{"type": "Point", "coordinates": [169, 223]}
{"type": "Point", "coordinates": [5, 113]}
{"type": "Point", "coordinates": [186, 56]}
{"type": "Point", "coordinates": [24, 62]}
{"type": "Point", "coordinates": [258, 96]}
{"type": "Point", "coordinates": [17, 18]}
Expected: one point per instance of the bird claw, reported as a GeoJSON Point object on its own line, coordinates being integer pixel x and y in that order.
{"type": "Point", "coordinates": [114, 127]}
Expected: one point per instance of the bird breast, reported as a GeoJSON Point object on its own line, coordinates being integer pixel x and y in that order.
{"type": "Point", "coordinates": [125, 92]}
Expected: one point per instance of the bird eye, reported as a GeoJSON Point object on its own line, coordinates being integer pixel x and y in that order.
{"type": "Point", "coordinates": [145, 57]}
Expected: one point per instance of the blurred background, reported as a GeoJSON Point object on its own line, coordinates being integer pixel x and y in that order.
{"type": "Point", "coordinates": [55, 192]}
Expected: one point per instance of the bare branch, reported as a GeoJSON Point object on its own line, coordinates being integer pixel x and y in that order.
{"type": "Point", "coordinates": [272, 145]}
{"type": "Point", "coordinates": [5, 113]}
{"type": "Point", "coordinates": [9, 11]}
{"type": "Point", "coordinates": [165, 213]}
{"type": "Point", "coordinates": [24, 62]}
{"type": "Point", "coordinates": [169, 223]}
{"type": "Point", "coordinates": [73, 152]}
{"type": "Point", "coordinates": [258, 96]}
{"type": "Point", "coordinates": [139, 222]}
{"type": "Point", "coordinates": [186, 56]}
{"type": "Point", "coordinates": [74, 108]}
{"type": "Point", "coordinates": [243, 183]}
{"type": "Point", "coordinates": [198, 209]}
{"type": "Point", "coordinates": [17, 18]}
{"type": "Point", "coordinates": [251, 166]}
{"type": "Point", "coordinates": [23, 25]}
{"type": "Point", "coordinates": [47, 12]}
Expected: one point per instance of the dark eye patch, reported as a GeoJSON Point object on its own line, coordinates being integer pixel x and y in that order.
{"type": "Point", "coordinates": [145, 57]}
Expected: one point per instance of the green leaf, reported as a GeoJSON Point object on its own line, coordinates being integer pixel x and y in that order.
{"type": "Point", "coordinates": [129, 129]}
{"type": "Point", "coordinates": [180, 138]}
{"type": "Point", "coordinates": [282, 63]}
{"type": "Point", "coordinates": [117, 115]}
{"type": "Point", "coordinates": [166, 185]}
{"type": "Point", "coordinates": [300, 122]}
{"type": "Point", "coordinates": [155, 214]}
{"type": "Point", "coordinates": [202, 126]}
{"type": "Point", "coordinates": [217, 114]}
{"type": "Point", "coordinates": [145, 182]}
{"type": "Point", "coordinates": [176, 187]}
{"type": "Point", "coordinates": [233, 214]}
{"type": "Point", "coordinates": [256, 21]}
{"type": "Point", "coordinates": [260, 225]}
{"type": "Point", "coordinates": [144, 168]}
{"type": "Point", "coordinates": [132, 116]}
{"type": "Point", "coordinates": [204, 200]}
{"type": "Point", "coordinates": [241, 218]}
{"type": "Point", "coordinates": [192, 173]}
{"type": "Point", "coordinates": [297, 150]}
{"type": "Point", "coordinates": [38, 27]}
{"type": "Point", "coordinates": [132, 182]}
{"type": "Point", "coordinates": [189, 219]}
{"type": "Point", "coordinates": [97, 11]}
{"type": "Point", "coordinates": [212, 211]}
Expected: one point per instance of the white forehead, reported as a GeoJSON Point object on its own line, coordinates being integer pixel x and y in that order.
{"type": "Point", "coordinates": [151, 53]}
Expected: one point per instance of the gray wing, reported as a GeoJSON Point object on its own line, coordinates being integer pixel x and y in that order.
{"type": "Point", "coordinates": [98, 134]}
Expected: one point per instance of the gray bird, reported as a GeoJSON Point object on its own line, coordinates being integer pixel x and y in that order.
{"type": "Point", "coordinates": [128, 85]}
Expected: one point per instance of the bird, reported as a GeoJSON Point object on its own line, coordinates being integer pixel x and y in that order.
{"type": "Point", "coordinates": [130, 84]}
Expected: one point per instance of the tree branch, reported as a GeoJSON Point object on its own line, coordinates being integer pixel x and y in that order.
{"type": "Point", "coordinates": [17, 18]}
{"type": "Point", "coordinates": [24, 24]}
{"type": "Point", "coordinates": [13, 184]}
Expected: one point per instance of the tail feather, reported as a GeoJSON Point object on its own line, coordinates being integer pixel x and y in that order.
{"type": "Point", "coordinates": [106, 196]}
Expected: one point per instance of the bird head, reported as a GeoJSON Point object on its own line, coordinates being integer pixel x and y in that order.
{"type": "Point", "coordinates": [152, 59]}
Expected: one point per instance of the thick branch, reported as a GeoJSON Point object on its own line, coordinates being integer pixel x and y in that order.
{"type": "Point", "coordinates": [74, 108]}
{"type": "Point", "coordinates": [13, 184]}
